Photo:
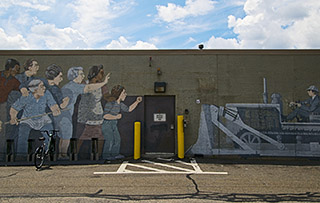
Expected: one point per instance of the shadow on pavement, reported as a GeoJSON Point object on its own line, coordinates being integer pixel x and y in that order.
{"type": "Point", "coordinates": [259, 160]}
{"type": "Point", "coordinates": [232, 197]}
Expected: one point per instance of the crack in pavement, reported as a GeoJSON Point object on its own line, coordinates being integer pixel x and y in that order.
{"type": "Point", "coordinates": [227, 197]}
{"type": "Point", "coordinates": [194, 182]}
{"type": "Point", "coordinates": [97, 193]}
{"type": "Point", "coordinates": [13, 174]}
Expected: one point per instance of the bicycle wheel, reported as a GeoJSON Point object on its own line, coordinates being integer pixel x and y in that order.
{"type": "Point", "coordinates": [39, 157]}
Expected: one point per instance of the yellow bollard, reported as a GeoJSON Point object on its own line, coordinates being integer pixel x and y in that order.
{"type": "Point", "coordinates": [180, 137]}
{"type": "Point", "coordinates": [137, 140]}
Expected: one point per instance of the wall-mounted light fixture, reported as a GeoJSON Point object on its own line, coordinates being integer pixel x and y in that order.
{"type": "Point", "coordinates": [159, 72]}
{"type": "Point", "coordinates": [160, 87]}
{"type": "Point", "coordinates": [186, 111]}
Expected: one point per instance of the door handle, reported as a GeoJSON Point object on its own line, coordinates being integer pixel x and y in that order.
{"type": "Point", "coordinates": [172, 127]}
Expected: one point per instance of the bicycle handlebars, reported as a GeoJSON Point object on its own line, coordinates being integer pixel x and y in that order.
{"type": "Point", "coordinates": [47, 131]}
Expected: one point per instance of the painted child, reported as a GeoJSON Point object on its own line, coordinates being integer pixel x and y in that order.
{"type": "Point", "coordinates": [112, 113]}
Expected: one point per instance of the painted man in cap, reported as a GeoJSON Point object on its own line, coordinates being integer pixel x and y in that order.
{"type": "Point", "coordinates": [306, 108]}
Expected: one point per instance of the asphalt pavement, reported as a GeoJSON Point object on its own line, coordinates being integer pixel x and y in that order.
{"type": "Point", "coordinates": [232, 179]}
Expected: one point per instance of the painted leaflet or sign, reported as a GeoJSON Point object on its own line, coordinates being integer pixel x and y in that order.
{"type": "Point", "coordinates": [159, 117]}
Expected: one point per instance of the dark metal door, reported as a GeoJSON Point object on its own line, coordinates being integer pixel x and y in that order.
{"type": "Point", "coordinates": [160, 124]}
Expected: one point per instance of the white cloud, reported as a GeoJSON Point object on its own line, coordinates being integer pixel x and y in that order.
{"type": "Point", "coordinates": [55, 38]}
{"type": "Point", "coordinates": [305, 32]}
{"type": "Point", "coordinates": [123, 43]}
{"type": "Point", "coordinates": [221, 43]}
{"type": "Point", "coordinates": [41, 5]}
{"type": "Point", "coordinates": [143, 45]}
{"type": "Point", "coordinates": [263, 24]}
{"type": "Point", "coordinates": [278, 24]}
{"type": "Point", "coordinates": [12, 42]}
{"type": "Point", "coordinates": [93, 19]}
{"type": "Point", "coordinates": [175, 13]}
{"type": "Point", "coordinates": [237, 2]}
{"type": "Point", "coordinates": [89, 27]}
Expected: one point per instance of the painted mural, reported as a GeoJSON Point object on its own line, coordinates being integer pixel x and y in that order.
{"type": "Point", "coordinates": [86, 109]}
{"type": "Point", "coordinates": [80, 110]}
{"type": "Point", "coordinates": [261, 129]}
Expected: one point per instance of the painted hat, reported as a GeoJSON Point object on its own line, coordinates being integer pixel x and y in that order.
{"type": "Point", "coordinates": [313, 88]}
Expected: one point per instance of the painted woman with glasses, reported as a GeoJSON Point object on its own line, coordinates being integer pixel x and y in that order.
{"type": "Point", "coordinates": [72, 90]}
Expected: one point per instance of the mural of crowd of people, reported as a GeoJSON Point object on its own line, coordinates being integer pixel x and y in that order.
{"type": "Point", "coordinates": [30, 103]}
{"type": "Point", "coordinates": [261, 128]}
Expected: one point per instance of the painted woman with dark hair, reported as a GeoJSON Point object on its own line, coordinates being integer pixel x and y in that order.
{"type": "Point", "coordinates": [54, 76]}
{"type": "Point", "coordinates": [90, 111]}
{"type": "Point", "coordinates": [72, 90]}
{"type": "Point", "coordinates": [112, 113]}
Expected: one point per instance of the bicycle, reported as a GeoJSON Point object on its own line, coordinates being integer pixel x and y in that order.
{"type": "Point", "coordinates": [40, 153]}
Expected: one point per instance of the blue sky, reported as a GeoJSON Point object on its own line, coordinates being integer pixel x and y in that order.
{"type": "Point", "coordinates": [159, 24]}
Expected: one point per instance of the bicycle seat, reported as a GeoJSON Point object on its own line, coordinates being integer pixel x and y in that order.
{"type": "Point", "coordinates": [41, 138]}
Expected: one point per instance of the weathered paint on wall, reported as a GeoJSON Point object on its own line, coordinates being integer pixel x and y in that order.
{"type": "Point", "coordinates": [82, 110]}
{"type": "Point", "coordinates": [255, 129]}
{"type": "Point", "coordinates": [214, 77]}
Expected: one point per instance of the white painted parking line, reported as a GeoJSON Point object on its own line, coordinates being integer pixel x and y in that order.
{"type": "Point", "coordinates": [147, 168]}
{"type": "Point", "coordinates": [151, 170]}
{"type": "Point", "coordinates": [155, 172]}
{"type": "Point", "coordinates": [123, 166]}
{"type": "Point", "coordinates": [168, 166]}
{"type": "Point", "coordinates": [195, 165]}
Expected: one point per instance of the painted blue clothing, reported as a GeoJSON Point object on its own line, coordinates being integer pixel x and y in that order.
{"type": "Point", "coordinates": [32, 106]}
{"type": "Point", "coordinates": [24, 131]}
{"type": "Point", "coordinates": [114, 108]}
{"type": "Point", "coordinates": [56, 93]}
{"type": "Point", "coordinates": [24, 80]}
{"type": "Point", "coordinates": [71, 90]}
{"type": "Point", "coordinates": [112, 139]}
{"type": "Point", "coordinates": [110, 132]}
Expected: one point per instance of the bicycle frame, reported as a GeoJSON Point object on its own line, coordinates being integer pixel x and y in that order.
{"type": "Point", "coordinates": [41, 152]}
{"type": "Point", "coordinates": [51, 142]}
